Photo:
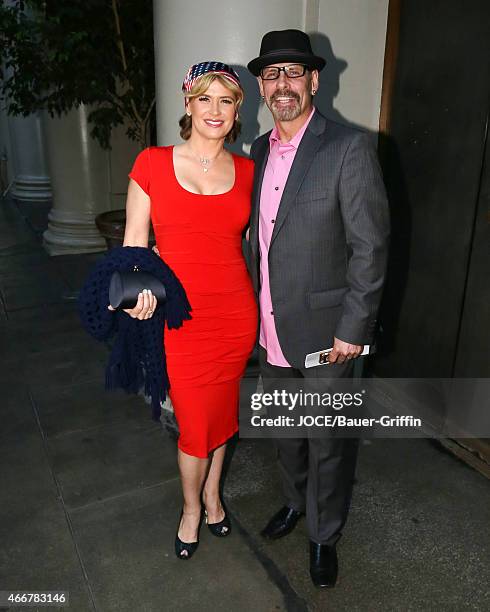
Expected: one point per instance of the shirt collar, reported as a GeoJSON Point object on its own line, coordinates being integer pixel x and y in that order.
{"type": "Point", "coordinates": [274, 137]}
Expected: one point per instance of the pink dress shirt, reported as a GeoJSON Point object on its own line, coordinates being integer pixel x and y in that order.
{"type": "Point", "coordinates": [281, 157]}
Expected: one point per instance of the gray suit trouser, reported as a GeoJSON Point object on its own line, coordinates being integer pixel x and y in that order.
{"type": "Point", "coordinates": [317, 473]}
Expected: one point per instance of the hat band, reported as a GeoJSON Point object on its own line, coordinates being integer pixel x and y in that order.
{"type": "Point", "coordinates": [291, 50]}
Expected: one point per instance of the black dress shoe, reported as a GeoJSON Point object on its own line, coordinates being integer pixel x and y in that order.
{"type": "Point", "coordinates": [282, 523]}
{"type": "Point", "coordinates": [323, 565]}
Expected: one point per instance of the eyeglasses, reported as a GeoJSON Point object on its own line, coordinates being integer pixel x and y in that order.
{"type": "Point", "coordinates": [293, 71]}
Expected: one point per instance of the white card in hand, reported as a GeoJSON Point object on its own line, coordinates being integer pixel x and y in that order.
{"type": "Point", "coordinates": [321, 357]}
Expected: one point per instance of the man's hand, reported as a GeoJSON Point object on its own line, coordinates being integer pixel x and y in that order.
{"type": "Point", "coordinates": [343, 351]}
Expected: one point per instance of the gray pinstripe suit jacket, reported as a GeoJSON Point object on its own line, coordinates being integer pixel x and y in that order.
{"type": "Point", "coordinates": [328, 252]}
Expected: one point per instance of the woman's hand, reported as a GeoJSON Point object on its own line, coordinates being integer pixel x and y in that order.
{"type": "Point", "coordinates": [145, 306]}
{"type": "Point", "coordinates": [155, 250]}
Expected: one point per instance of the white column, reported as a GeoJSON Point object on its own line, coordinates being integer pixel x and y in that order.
{"type": "Point", "coordinates": [28, 163]}
{"type": "Point", "coordinates": [187, 32]}
{"type": "Point", "coordinates": [351, 36]}
{"type": "Point", "coordinates": [81, 185]}
{"type": "Point", "coordinates": [87, 180]}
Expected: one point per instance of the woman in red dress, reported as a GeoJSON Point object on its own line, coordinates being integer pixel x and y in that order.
{"type": "Point", "coordinates": [198, 195]}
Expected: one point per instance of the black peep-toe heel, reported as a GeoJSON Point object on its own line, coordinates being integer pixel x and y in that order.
{"type": "Point", "coordinates": [185, 550]}
{"type": "Point", "coordinates": [221, 529]}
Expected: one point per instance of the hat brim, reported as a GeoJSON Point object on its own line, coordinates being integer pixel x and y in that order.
{"type": "Point", "coordinates": [276, 57]}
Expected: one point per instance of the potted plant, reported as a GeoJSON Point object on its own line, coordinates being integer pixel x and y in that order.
{"type": "Point", "coordinates": [98, 53]}
{"type": "Point", "coordinates": [58, 55]}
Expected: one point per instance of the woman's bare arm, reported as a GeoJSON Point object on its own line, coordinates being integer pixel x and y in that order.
{"type": "Point", "coordinates": [137, 216]}
{"type": "Point", "coordinates": [136, 234]}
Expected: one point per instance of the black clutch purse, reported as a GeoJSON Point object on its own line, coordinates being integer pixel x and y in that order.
{"type": "Point", "coordinates": [125, 287]}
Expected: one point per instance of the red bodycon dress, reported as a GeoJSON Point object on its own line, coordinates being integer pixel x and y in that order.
{"type": "Point", "coordinates": [199, 237]}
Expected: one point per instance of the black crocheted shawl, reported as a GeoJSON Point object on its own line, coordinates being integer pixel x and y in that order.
{"type": "Point", "coordinates": [137, 359]}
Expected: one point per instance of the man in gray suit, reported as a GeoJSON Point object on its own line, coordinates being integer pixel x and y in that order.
{"type": "Point", "coordinates": [318, 240]}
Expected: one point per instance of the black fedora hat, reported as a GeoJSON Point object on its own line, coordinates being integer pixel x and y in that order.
{"type": "Point", "coordinates": [285, 46]}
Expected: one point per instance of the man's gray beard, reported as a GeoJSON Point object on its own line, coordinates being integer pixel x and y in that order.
{"type": "Point", "coordinates": [286, 114]}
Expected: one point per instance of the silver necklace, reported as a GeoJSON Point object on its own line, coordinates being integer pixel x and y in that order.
{"type": "Point", "coordinates": [206, 162]}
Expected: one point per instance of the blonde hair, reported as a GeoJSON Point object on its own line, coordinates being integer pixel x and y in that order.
{"type": "Point", "coordinates": [201, 86]}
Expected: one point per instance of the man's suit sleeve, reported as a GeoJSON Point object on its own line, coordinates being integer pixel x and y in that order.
{"type": "Point", "coordinates": [365, 214]}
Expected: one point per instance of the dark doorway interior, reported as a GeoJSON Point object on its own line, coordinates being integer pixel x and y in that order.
{"type": "Point", "coordinates": [436, 310]}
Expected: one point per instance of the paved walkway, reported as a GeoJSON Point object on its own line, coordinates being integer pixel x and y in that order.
{"type": "Point", "coordinates": [90, 493]}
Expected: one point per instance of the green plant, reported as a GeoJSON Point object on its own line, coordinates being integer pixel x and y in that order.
{"type": "Point", "coordinates": [59, 54]}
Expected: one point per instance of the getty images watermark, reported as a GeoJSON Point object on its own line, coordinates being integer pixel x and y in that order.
{"type": "Point", "coordinates": [367, 408]}
{"type": "Point", "coordinates": [309, 399]}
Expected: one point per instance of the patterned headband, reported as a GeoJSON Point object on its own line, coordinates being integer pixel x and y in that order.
{"type": "Point", "coordinates": [199, 70]}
